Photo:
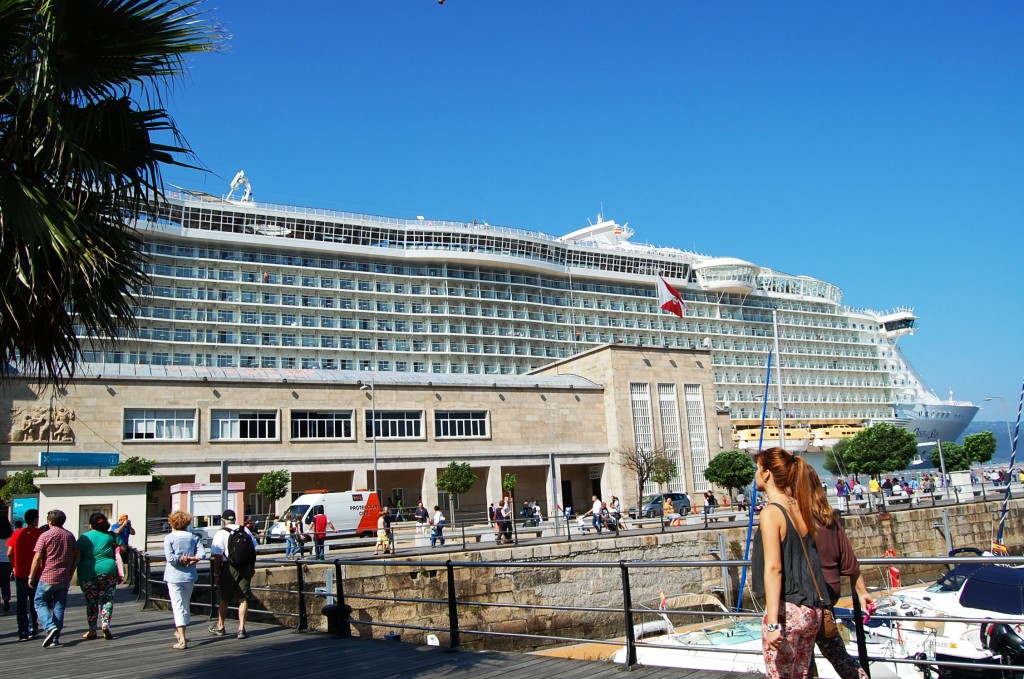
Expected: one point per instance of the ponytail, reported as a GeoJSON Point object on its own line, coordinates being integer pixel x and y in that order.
{"type": "Point", "coordinates": [802, 492]}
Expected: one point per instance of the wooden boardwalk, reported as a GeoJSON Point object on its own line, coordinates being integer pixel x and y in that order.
{"type": "Point", "coordinates": [142, 648]}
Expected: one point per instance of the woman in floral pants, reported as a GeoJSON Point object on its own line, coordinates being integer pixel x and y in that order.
{"type": "Point", "coordinates": [97, 574]}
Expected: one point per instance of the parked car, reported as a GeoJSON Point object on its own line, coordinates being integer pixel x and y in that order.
{"type": "Point", "coordinates": [652, 504]}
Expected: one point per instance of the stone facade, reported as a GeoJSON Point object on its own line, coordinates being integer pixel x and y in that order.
{"type": "Point", "coordinates": [557, 429]}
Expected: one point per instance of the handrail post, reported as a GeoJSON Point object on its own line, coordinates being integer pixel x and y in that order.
{"type": "Point", "coordinates": [301, 584]}
{"type": "Point", "coordinates": [627, 604]}
{"type": "Point", "coordinates": [463, 528]}
{"type": "Point", "coordinates": [858, 624]}
{"type": "Point", "coordinates": [453, 610]}
{"type": "Point", "coordinates": [339, 599]}
{"type": "Point", "coordinates": [145, 604]}
{"type": "Point", "coordinates": [133, 571]}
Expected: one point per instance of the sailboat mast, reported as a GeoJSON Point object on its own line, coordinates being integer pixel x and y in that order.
{"type": "Point", "coordinates": [778, 378]}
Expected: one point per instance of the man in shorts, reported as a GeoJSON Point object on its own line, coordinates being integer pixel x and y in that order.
{"type": "Point", "coordinates": [231, 582]}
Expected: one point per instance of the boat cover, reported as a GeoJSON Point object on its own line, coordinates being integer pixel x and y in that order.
{"type": "Point", "coordinates": [995, 588]}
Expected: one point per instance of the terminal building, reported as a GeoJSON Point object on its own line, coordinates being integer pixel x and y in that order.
{"type": "Point", "coordinates": [563, 430]}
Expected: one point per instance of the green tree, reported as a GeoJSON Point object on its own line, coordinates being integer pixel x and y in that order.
{"type": "Point", "coordinates": [82, 84]}
{"type": "Point", "coordinates": [980, 446]}
{"type": "Point", "coordinates": [879, 449]}
{"type": "Point", "coordinates": [731, 469]}
{"type": "Point", "coordinates": [835, 458]}
{"type": "Point", "coordinates": [139, 466]}
{"type": "Point", "coordinates": [273, 486]}
{"type": "Point", "coordinates": [19, 483]}
{"type": "Point", "coordinates": [508, 483]}
{"type": "Point", "coordinates": [456, 479]}
{"type": "Point", "coordinates": [956, 456]}
{"type": "Point", "coordinates": [663, 470]}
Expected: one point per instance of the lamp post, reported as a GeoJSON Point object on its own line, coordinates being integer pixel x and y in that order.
{"type": "Point", "coordinates": [1006, 417]}
{"type": "Point", "coordinates": [373, 428]}
{"type": "Point", "coordinates": [942, 462]}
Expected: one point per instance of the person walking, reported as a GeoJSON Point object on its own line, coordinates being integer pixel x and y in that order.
{"type": "Point", "coordinates": [786, 565]}
{"type": "Point", "coordinates": [97, 574]}
{"type": "Point", "coordinates": [505, 512]}
{"type": "Point", "coordinates": [320, 523]}
{"type": "Point", "coordinates": [20, 548]}
{"type": "Point", "coordinates": [595, 513]}
{"type": "Point", "coordinates": [837, 559]}
{"type": "Point", "coordinates": [233, 566]}
{"type": "Point", "coordinates": [50, 575]}
{"type": "Point", "coordinates": [422, 517]}
{"type": "Point", "coordinates": [182, 551]}
{"type": "Point", "coordinates": [6, 531]}
{"type": "Point", "coordinates": [437, 527]}
{"type": "Point", "coordinates": [291, 531]}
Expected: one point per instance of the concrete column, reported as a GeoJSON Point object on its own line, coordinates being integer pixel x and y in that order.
{"type": "Point", "coordinates": [203, 475]}
{"type": "Point", "coordinates": [551, 481]}
{"type": "Point", "coordinates": [494, 490]}
{"type": "Point", "coordinates": [284, 502]}
{"type": "Point", "coordinates": [429, 485]}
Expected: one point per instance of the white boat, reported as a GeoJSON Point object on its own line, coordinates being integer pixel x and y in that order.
{"type": "Point", "coordinates": [279, 286]}
{"type": "Point", "coordinates": [735, 646]}
{"type": "Point", "coordinates": [975, 591]}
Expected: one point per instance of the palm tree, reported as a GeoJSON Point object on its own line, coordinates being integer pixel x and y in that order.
{"type": "Point", "coordinates": [81, 102]}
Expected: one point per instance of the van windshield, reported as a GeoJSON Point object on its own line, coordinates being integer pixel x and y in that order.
{"type": "Point", "coordinates": [298, 511]}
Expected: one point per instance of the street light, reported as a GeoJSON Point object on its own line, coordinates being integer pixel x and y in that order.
{"type": "Point", "coordinates": [373, 428]}
{"type": "Point", "coordinates": [1006, 416]}
{"type": "Point", "coordinates": [945, 491]}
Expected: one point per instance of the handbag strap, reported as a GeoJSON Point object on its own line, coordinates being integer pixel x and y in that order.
{"type": "Point", "coordinates": [810, 568]}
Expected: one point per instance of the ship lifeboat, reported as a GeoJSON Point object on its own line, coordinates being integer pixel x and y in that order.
{"type": "Point", "coordinates": [798, 439]}
{"type": "Point", "coordinates": [828, 437]}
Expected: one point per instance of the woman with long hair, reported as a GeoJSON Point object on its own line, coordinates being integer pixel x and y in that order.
{"type": "Point", "coordinates": [97, 574]}
{"type": "Point", "coordinates": [837, 560]}
{"type": "Point", "coordinates": [786, 565]}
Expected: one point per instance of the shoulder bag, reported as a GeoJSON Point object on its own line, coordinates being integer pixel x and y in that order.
{"type": "Point", "coordinates": [828, 629]}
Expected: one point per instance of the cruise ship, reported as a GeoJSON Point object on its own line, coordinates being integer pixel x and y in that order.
{"type": "Point", "coordinates": [242, 284]}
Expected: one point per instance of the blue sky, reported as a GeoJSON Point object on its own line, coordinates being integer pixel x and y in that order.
{"type": "Point", "coordinates": [875, 145]}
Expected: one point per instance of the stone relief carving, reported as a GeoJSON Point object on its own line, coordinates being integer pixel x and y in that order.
{"type": "Point", "coordinates": [33, 425]}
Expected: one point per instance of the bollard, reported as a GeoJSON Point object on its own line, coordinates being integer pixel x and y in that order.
{"type": "Point", "coordinates": [337, 616]}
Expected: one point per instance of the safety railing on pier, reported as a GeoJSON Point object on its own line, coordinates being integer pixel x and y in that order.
{"type": "Point", "coordinates": [321, 593]}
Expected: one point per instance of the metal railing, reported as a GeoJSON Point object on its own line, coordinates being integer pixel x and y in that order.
{"type": "Point", "coordinates": [336, 605]}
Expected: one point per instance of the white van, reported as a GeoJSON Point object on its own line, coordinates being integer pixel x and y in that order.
{"type": "Point", "coordinates": [353, 512]}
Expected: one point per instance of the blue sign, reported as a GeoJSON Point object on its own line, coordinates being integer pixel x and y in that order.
{"type": "Point", "coordinates": [21, 504]}
{"type": "Point", "coordinates": [78, 459]}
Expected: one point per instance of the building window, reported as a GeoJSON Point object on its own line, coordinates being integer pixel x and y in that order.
{"type": "Point", "coordinates": [460, 424]}
{"type": "Point", "coordinates": [698, 434]}
{"type": "Point", "coordinates": [394, 424]}
{"type": "Point", "coordinates": [322, 424]}
{"type": "Point", "coordinates": [241, 425]}
{"type": "Point", "coordinates": [159, 425]}
{"type": "Point", "coordinates": [668, 408]}
{"type": "Point", "coordinates": [643, 427]}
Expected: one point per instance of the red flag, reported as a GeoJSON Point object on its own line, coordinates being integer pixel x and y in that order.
{"type": "Point", "coordinates": [669, 298]}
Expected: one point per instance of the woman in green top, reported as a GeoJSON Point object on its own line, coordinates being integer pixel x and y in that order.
{"type": "Point", "coordinates": [97, 574]}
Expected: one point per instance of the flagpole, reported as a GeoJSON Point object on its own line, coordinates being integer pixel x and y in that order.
{"type": "Point", "coordinates": [1013, 457]}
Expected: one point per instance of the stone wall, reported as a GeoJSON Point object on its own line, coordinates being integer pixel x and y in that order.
{"type": "Point", "coordinates": [580, 582]}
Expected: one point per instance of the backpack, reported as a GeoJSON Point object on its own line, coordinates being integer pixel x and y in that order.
{"type": "Point", "coordinates": [241, 552]}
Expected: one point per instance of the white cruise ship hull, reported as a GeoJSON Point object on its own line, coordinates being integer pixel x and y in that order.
{"type": "Point", "coordinates": [238, 284]}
